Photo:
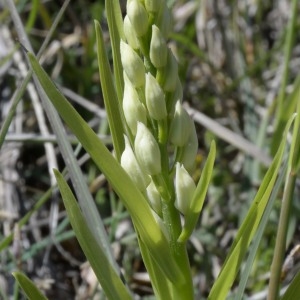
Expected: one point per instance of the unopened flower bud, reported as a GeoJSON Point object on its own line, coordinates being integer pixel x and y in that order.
{"type": "Point", "coordinates": [155, 98]}
{"type": "Point", "coordinates": [158, 48]}
{"type": "Point", "coordinates": [164, 20]}
{"type": "Point", "coordinates": [176, 95]}
{"type": "Point", "coordinates": [171, 73]}
{"type": "Point", "coordinates": [147, 150]}
{"type": "Point", "coordinates": [154, 198]}
{"type": "Point", "coordinates": [132, 65]}
{"type": "Point", "coordinates": [132, 167]}
{"type": "Point", "coordinates": [153, 5]}
{"type": "Point", "coordinates": [190, 150]}
{"type": "Point", "coordinates": [184, 188]}
{"type": "Point", "coordinates": [138, 17]}
{"type": "Point", "coordinates": [181, 126]}
{"type": "Point", "coordinates": [134, 110]}
{"type": "Point", "coordinates": [130, 35]}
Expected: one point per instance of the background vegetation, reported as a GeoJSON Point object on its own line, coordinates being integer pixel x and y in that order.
{"type": "Point", "coordinates": [237, 60]}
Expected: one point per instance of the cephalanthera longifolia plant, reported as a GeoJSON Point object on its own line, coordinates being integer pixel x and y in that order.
{"type": "Point", "coordinates": [155, 144]}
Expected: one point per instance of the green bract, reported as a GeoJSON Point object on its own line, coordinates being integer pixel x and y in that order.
{"type": "Point", "coordinates": [153, 5]}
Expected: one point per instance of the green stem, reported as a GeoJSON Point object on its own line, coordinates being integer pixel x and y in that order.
{"type": "Point", "coordinates": [280, 246]}
{"type": "Point", "coordinates": [178, 251]}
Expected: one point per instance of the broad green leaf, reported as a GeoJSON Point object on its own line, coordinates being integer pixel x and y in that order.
{"type": "Point", "coordinates": [199, 196]}
{"type": "Point", "coordinates": [108, 278]}
{"type": "Point", "coordinates": [293, 290]}
{"type": "Point", "coordinates": [112, 104]}
{"type": "Point", "coordinates": [29, 288]}
{"type": "Point", "coordinates": [245, 234]}
{"type": "Point", "coordinates": [132, 198]}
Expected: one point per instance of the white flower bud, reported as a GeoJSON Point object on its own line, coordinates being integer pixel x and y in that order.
{"type": "Point", "coordinates": [181, 126]}
{"type": "Point", "coordinates": [190, 150]}
{"type": "Point", "coordinates": [132, 65]}
{"type": "Point", "coordinates": [176, 95]}
{"type": "Point", "coordinates": [155, 98]}
{"type": "Point", "coordinates": [153, 5]}
{"type": "Point", "coordinates": [138, 17]}
{"type": "Point", "coordinates": [134, 110]}
{"type": "Point", "coordinates": [147, 150]}
{"type": "Point", "coordinates": [132, 167]}
{"type": "Point", "coordinates": [164, 21]}
{"type": "Point", "coordinates": [130, 35]}
{"type": "Point", "coordinates": [184, 188]}
{"type": "Point", "coordinates": [158, 48]}
{"type": "Point", "coordinates": [171, 73]}
{"type": "Point", "coordinates": [154, 198]}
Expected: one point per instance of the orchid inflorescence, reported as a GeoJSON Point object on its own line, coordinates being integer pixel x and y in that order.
{"type": "Point", "coordinates": [157, 123]}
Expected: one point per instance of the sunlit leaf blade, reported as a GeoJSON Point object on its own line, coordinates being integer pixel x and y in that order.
{"type": "Point", "coordinates": [199, 195]}
{"type": "Point", "coordinates": [112, 104]}
{"type": "Point", "coordinates": [257, 238]}
{"type": "Point", "coordinates": [293, 290]}
{"type": "Point", "coordinates": [245, 234]}
{"type": "Point", "coordinates": [29, 288]}
{"type": "Point", "coordinates": [115, 25]}
{"type": "Point", "coordinates": [110, 281]}
{"type": "Point", "coordinates": [132, 198]}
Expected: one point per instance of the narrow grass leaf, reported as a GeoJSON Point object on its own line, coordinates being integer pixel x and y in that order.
{"type": "Point", "coordinates": [245, 234]}
{"type": "Point", "coordinates": [29, 288]}
{"type": "Point", "coordinates": [132, 198]}
{"type": "Point", "coordinates": [160, 284]}
{"type": "Point", "coordinates": [110, 281]}
{"type": "Point", "coordinates": [116, 33]}
{"type": "Point", "coordinates": [112, 104]}
{"type": "Point", "coordinates": [257, 238]}
{"type": "Point", "coordinates": [293, 290]}
{"type": "Point", "coordinates": [288, 46]}
{"type": "Point", "coordinates": [199, 196]}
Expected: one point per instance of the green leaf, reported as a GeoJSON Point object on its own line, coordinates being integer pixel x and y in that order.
{"type": "Point", "coordinates": [29, 288]}
{"type": "Point", "coordinates": [132, 198]}
{"type": "Point", "coordinates": [257, 238]}
{"type": "Point", "coordinates": [248, 228]}
{"type": "Point", "coordinates": [112, 104]}
{"type": "Point", "coordinates": [199, 196]}
{"type": "Point", "coordinates": [116, 33]}
{"type": "Point", "coordinates": [108, 278]}
{"type": "Point", "coordinates": [293, 290]}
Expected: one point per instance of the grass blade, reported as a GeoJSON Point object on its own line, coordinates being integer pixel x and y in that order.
{"type": "Point", "coordinates": [108, 278]}
{"type": "Point", "coordinates": [293, 290]}
{"type": "Point", "coordinates": [248, 228]}
{"type": "Point", "coordinates": [112, 104]}
{"type": "Point", "coordinates": [30, 289]}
